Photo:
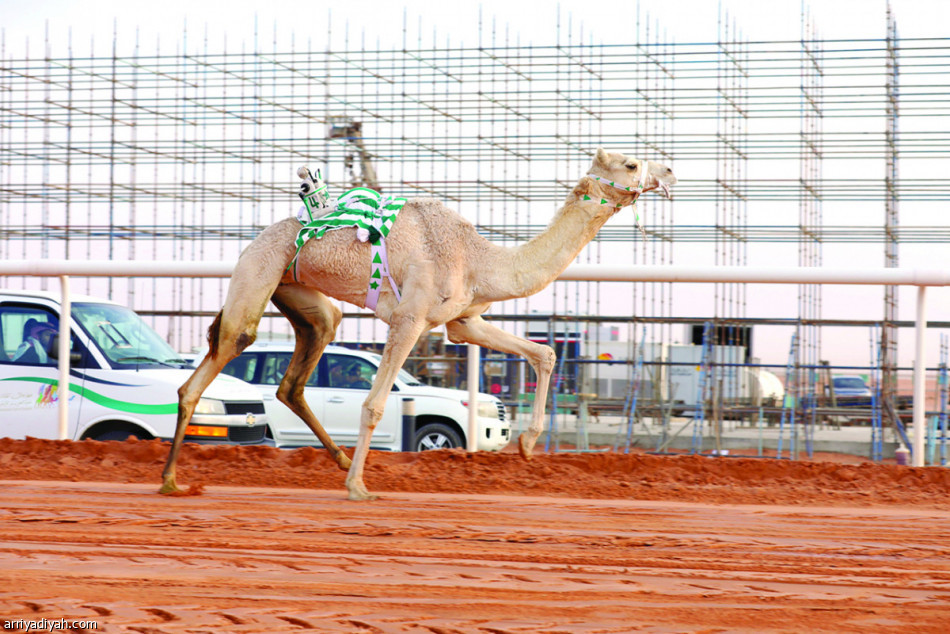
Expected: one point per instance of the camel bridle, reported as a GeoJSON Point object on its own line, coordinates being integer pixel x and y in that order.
{"type": "Point", "coordinates": [638, 190]}
{"type": "Point", "coordinates": [641, 184]}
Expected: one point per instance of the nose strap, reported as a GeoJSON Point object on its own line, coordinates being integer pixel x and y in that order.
{"type": "Point", "coordinates": [644, 172]}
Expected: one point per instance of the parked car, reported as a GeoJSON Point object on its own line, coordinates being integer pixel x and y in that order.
{"type": "Point", "coordinates": [337, 388]}
{"type": "Point", "coordinates": [124, 378]}
{"type": "Point", "coordinates": [850, 386]}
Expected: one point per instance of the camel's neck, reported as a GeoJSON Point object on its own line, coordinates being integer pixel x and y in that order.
{"type": "Point", "coordinates": [538, 262]}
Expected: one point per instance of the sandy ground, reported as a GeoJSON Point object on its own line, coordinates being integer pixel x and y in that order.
{"type": "Point", "coordinates": [461, 543]}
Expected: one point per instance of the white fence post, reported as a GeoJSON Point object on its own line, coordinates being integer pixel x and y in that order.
{"type": "Point", "coordinates": [65, 331]}
{"type": "Point", "coordinates": [920, 365]}
{"type": "Point", "coordinates": [474, 359]}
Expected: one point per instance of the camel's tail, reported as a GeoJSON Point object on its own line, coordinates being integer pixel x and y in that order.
{"type": "Point", "coordinates": [214, 330]}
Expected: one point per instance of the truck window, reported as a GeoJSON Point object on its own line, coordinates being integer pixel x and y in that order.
{"type": "Point", "coordinates": [18, 321]}
{"type": "Point", "coordinates": [273, 367]}
{"type": "Point", "coordinates": [28, 334]}
{"type": "Point", "coordinates": [351, 373]}
{"type": "Point", "coordinates": [242, 367]}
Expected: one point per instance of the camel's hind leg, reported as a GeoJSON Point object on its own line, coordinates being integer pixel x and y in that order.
{"type": "Point", "coordinates": [476, 330]}
{"type": "Point", "coordinates": [315, 320]}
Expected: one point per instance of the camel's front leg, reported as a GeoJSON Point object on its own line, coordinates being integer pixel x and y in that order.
{"type": "Point", "coordinates": [256, 276]}
{"type": "Point", "coordinates": [542, 358]}
{"type": "Point", "coordinates": [188, 396]}
{"type": "Point", "coordinates": [231, 335]}
{"type": "Point", "coordinates": [405, 328]}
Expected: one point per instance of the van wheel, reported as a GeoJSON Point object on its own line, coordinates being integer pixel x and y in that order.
{"type": "Point", "coordinates": [436, 436]}
{"type": "Point", "coordinates": [120, 434]}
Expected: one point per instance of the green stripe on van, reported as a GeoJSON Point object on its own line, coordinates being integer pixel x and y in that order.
{"type": "Point", "coordinates": [105, 401]}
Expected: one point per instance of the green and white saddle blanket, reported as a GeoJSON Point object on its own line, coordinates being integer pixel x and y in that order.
{"type": "Point", "coordinates": [373, 216]}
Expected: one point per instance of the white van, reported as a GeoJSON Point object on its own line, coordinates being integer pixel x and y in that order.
{"type": "Point", "coordinates": [124, 378]}
{"type": "Point", "coordinates": [337, 388]}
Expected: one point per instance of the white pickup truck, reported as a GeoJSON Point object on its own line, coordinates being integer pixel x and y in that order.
{"type": "Point", "coordinates": [335, 393]}
{"type": "Point", "coordinates": [124, 378]}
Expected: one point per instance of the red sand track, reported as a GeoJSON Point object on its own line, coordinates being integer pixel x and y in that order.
{"type": "Point", "coordinates": [463, 543]}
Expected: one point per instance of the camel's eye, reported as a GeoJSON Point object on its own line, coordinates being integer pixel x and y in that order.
{"type": "Point", "coordinates": [631, 166]}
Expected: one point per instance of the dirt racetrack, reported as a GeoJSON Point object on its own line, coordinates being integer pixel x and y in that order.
{"type": "Point", "coordinates": [596, 542]}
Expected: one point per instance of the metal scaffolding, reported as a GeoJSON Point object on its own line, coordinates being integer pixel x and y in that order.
{"type": "Point", "coordinates": [188, 153]}
{"type": "Point", "coordinates": [891, 220]}
{"type": "Point", "coordinates": [811, 147]}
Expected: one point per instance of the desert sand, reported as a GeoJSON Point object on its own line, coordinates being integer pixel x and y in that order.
{"type": "Point", "coordinates": [457, 542]}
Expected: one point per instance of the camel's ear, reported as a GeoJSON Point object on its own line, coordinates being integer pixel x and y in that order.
{"type": "Point", "coordinates": [601, 156]}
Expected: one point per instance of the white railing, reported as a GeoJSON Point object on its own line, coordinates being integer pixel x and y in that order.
{"type": "Point", "coordinates": [921, 278]}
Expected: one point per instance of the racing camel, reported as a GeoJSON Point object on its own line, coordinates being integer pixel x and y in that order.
{"type": "Point", "coordinates": [447, 273]}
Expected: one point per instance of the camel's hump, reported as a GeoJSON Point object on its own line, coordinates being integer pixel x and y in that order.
{"type": "Point", "coordinates": [433, 207]}
{"type": "Point", "coordinates": [435, 215]}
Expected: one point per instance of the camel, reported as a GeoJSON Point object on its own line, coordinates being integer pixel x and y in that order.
{"type": "Point", "coordinates": [448, 274]}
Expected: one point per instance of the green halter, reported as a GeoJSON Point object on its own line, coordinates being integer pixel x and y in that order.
{"type": "Point", "coordinates": [641, 185]}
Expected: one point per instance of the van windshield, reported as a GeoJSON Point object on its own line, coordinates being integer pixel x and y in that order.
{"type": "Point", "coordinates": [123, 337]}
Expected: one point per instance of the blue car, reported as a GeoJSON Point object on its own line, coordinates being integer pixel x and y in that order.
{"type": "Point", "coordinates": [850, 385]}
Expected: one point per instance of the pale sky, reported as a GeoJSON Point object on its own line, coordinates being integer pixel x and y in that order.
{"type": "Point", "coordinates": [527, 21]}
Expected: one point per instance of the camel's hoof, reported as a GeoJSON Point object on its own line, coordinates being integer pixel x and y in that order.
{"type": "Point", "coordinates": [362, 497]}
{"type": "Point", "coordinates": [343, 461]}
{"type": "Point", "coordinates": [169, 487]}
{"type": "Point", "coordinates": [359, 493]}
{"type": "Point", "coordinates": [523, 448]}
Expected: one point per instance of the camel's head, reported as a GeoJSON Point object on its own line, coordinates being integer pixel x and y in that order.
{"type": "Point", "coordinates": [630, 174]}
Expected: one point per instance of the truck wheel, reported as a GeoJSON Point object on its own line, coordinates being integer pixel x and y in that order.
{"type": "Point", "coordinates": [120, 434]}
{"type": "Point", "coordinates": [436, 436]}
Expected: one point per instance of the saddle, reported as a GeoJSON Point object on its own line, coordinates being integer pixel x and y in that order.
{"type": "Point", "coordinates": [371, 213]}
